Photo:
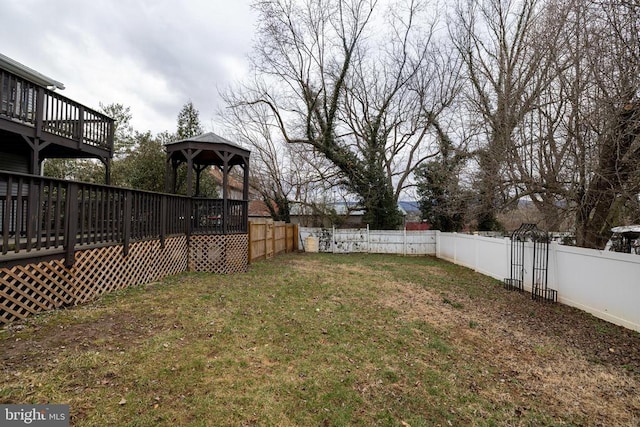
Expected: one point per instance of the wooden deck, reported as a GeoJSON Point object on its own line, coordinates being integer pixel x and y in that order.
{"type": "Point", "coordinates": [62, 127]}
{"type": "Point", "coordinates": [40, 216]}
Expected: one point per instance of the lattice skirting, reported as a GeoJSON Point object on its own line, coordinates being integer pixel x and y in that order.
{"type": "Point", "coordinates": [224, 254]}
{"type": "Point", "coordinates": [31, 288]}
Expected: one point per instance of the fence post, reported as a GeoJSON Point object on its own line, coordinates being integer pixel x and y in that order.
{"type": "Point", "coordinates": [80, 126]}
{"type": "Point", "coordinates": [296, 237]}
{"type": "Point", "coordinates": [249, 254]}
{"type": "Point", "coordinates": [126, 227]}
{"type": "Point", "coordinates": [189, 218]}
{"type": "Point", "coordinates": [163, 219]}
{"type": "Point", "coordinates": [40, 112]}
{"type": "Point", "coordinates": [475, 252]}
{"type": "Point", "coordinates": [274, 233]}
{"type": "Point", "coordinates": [404, 241]}
{"type": "Point", "coordinates": [553, 252]}
{"type": "Point", "coordinates": [507, 251]}
{"type": "Point", "coordinates": [438, 237]}
{"type": "Point", "coordinates": [455, 247]}
{"type": "Point", "coordinates": [71, 229]}
{"type": "Point", "coordinates": [333, 239]}
{"type": "Point", "coordinates": [266, 240]}
{"type": "Point", "coordinates": [368, 240]}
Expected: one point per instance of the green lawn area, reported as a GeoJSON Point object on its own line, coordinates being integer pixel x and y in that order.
{"type": "Point", "coordinates": [327, 340]}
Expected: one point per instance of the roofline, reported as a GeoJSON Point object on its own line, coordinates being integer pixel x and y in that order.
{"type": "Point", "coordinates": [30, 74]}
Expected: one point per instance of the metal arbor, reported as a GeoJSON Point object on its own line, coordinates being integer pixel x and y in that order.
{"type": "Point", "coordinates": [539, 262]}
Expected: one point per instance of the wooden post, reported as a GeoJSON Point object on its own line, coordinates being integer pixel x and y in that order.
{"type": "Point", "coordinates": [126, 227]}
{"type": "Point", "coordinates": [250, 254]}
{"type": "Point", "coordinates": [245, 192]}
{"type": "Point", "coordinates": [71, 219]}
{"type": "Point", "coordinates": [80, 130]}
{"type": "Point", "coordinates": [266, 241]}
{"type": "Point", "coordinates": [189, 173]}
{"type": "Point", "coordinates": [168, 188]}
{"type": "Point", "coordinates": [39, 111]}
{"type": "Point", "coordinates": [17, 219]}
{"type": "Point", "coordinates": [188, 218]}
{"type": "Point", "coordinates": [107, 171]}
{"type": "Point", "coordinates": [163, 219]}
{"type": "Point", "coordinates": [274, 238]}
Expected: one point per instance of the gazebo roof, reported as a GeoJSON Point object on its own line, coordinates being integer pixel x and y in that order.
{"type": "Point", "coordinates": [208, 149]}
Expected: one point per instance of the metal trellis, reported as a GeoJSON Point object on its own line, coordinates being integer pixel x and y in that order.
{"type": "Point", "coordinates": [540, 263]}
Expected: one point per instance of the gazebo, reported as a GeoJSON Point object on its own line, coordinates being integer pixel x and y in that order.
{"type": "Point", "coordinates": [201, 151]}
{"type": "Point", "coordinates": [198, 153]}
{"type": "Point", "coordinates": [218, 227]}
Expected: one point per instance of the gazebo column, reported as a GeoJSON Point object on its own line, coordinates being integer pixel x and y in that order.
{"type": "Point", "coordinates": [199, 169]}
{"type": "Point", "coordinates": [169, 176]}
{"type": "Point", "coordinates": [189, 172]}
{"type": "Point", "coordinates": [225, 193]}
{"type": "Point", "coordinates": [190, 154]}
{"type": "Point", "coordinates": [245, 191]}
{"type": "Point", "coordinates": [245, 186]}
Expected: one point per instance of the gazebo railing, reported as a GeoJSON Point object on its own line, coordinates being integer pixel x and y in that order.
{"type": "Point", "coordinates": [208, 216]}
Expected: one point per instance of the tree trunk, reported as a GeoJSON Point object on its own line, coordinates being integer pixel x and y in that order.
{"type": "Point", "coordinates": [619, 157]}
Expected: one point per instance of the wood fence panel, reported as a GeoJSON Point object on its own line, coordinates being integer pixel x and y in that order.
{"type": "Point", "coordinates": [257, 239]}
{"type": "Point", "coordinates": [279, 237]}
{"type": "Point", "coordinates": [268, 239]}
{"type": "Point", "coordinates": [291, 237]}
{"type": "Point", "coordinates": [269, 245]}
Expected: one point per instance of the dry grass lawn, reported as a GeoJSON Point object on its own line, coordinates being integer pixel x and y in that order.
{"type": "Point", "coordinates": [325, 340]}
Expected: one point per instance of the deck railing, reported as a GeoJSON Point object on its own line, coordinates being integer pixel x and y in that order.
{"type": "Point", "coordinates": [38, 214]}
{"type": "Point", "coordinates": [29, 104]}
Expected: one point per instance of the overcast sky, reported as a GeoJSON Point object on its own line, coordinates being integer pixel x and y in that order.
{"type": "Point", "coordinates": [150, 55]}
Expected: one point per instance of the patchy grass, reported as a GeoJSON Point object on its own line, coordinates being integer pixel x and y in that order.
{"type": "Point", "coordinates": [325, 340]}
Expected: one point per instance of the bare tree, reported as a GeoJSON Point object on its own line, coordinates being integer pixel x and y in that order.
{"type": "Point", "coordinates": [575, 150]}
{"type": "Point", "coordinates": [610, 179]}
{"type": "Point", "coordinates": [506, 72]}
{"type": "Point", "coordinates": [367, 100]}
{"type": "Point", "coordinates": [280, 172]}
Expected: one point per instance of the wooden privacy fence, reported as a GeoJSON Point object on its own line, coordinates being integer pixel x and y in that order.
{"type": "Point", "coordinates": [268, 238]}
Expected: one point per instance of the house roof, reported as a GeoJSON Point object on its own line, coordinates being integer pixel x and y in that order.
{"type": "Point", "coordinates": [27, 73]}
{"type": "Point", "coordinates": [258, 208]}
{"type": "Point", "coordinates": [232, 182]}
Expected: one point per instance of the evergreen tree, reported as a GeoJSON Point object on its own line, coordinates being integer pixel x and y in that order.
{"type": "Point", "coordinates": [188, 122]}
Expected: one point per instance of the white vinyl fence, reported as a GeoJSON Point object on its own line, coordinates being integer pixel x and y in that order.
{"type": "Point", "coordinates": [605, 284]}
{"type": "Point", "coordinates": [363, 240]}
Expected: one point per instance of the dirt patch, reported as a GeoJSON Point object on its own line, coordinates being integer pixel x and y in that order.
{"type": "Point", "coordinates": [547, 352]}
{"type": "Point", "coordinates": [42, 344]}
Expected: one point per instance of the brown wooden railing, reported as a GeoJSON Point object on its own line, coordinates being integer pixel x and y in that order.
{"type": "Point", "coordinates": [47, 111]}
{"type": "Point", "coordinates": [38, 214]}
